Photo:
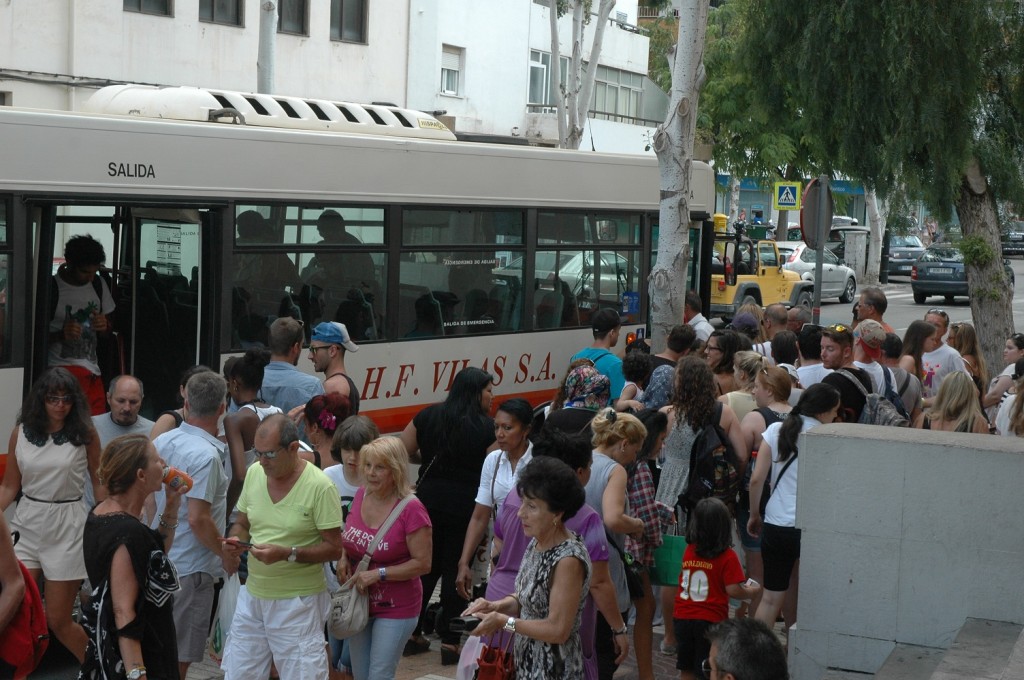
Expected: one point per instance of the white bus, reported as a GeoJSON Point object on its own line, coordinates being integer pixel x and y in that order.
{"type": "Point", "coordinates": [436, 253]}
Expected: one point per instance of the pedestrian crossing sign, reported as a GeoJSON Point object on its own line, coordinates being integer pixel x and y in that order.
{"type": "Point", "coordinates": [786, 196]}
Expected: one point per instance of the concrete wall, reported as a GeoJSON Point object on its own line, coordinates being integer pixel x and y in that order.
{"type": "Point", "coordinates": [905, 534]}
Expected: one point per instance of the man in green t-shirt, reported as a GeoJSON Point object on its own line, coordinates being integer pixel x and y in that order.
{"type": "Point", "coordinates": [290, 514]}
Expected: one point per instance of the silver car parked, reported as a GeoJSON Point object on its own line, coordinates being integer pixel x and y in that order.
{"type": "Point", "coordinates": [838, 280]}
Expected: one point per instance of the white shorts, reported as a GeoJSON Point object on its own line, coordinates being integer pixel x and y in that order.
{"type": "Point", "coordinates": [289, 631]}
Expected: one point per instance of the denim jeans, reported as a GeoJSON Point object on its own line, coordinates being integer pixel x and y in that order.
{"type": "Point", "coordinates": [378, 647]}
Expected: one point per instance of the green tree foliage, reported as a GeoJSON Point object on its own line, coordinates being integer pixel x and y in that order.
{"type": "Point", "coordinates": [898, 92]}
{"type": "Point", "coordinates": [923, 95]}
{"type": "Point", "coordinates": [751, 138]}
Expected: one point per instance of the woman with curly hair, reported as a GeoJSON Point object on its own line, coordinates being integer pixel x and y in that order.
{"type": "Point", "coordinates": [693, 406]}
{"type": "Point", "coordinates": [322, 416]}
{"type": "Point", "coordinates": [55, 453]}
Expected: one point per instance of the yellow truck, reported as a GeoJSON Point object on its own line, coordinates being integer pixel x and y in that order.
{"type": "Point", "coordinates": [746, 270]}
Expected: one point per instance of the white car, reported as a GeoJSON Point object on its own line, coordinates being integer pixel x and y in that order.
{"type": "Point", "coordinates": [838, 280]}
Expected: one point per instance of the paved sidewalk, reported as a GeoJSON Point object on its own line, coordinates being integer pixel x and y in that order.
{"type": "Point", "coordinates": [428, 666]}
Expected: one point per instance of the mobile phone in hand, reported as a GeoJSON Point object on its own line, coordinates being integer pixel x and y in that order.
{"type": "Point", "coordinates": [463, 624]}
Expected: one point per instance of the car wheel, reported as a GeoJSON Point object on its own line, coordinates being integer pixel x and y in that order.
{"type": "Point", "coordinates": [749, 300]}
{"type": "Point", "coordinates": [804, 299]}
{"type": "Point", "coordinates": [949, 299]}
{"type": "Point", "coordinates": [920, 298]}
{"type": "Point", "coordinates": [849, 292]}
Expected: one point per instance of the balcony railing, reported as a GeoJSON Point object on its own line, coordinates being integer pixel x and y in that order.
{"type": "Point", "coordinates": [654, 13]}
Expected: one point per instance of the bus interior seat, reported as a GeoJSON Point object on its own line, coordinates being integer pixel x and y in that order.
{"type": "Point", "coordinates": [548, 305]}
{"type": "Point", "coordinates": [407, 296]}
{"type": "Point", "coordinates": [356, 312]}
{"type": "Point", "coordinates": [503, 300]}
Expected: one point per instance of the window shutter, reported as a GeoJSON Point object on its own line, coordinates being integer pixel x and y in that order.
{"type": "Point", "coordinates": [451, 58]}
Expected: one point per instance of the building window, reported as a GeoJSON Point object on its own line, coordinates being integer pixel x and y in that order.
{"type": "Point", "coordinates": [161, 7]}
{"type": "Point", "coordinates": [540, 100]}
{"type": "Point", "coordinates": [293, 17]}
{"type": "Point", "coordinates": [5, 99]}
{"type": "Point", "coordinates": [617, 94]}
{"type": "Point", "coordinates": [451, 67]}
{"type": "Point", "coordinates": [221, 11]}
{"type": "Point", "coordinates": [348, 20]}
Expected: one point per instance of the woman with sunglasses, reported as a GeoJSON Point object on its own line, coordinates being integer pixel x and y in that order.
{"type": "Point", "coordinates": [56, 453]}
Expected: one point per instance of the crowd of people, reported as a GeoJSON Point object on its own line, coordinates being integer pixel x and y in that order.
{"type": "Point", "coordinates": [541, 523]}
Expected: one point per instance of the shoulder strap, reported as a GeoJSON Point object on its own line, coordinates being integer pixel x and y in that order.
{"type": "Point", "coordinates": [494, 478]}
{"type": "Point", "coordinates": [384, 528]}
{"type": "Point", "coordinates": [784, 468]}
{"type": "Point", "coordinates": [768, 415]}
{"type": "Point", "coordinates": [600, 356]}
{"type": "Point", "coordinates": [901, 388]}
{"type": "Point", "coordinates": [887, 375]}
{"type": "Point", "coordinates": [852, 378]}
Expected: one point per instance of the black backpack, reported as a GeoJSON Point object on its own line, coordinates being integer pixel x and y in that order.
{"type": "Point", "coordinates": [714, 467]}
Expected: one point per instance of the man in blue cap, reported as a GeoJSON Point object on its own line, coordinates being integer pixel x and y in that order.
{"type": "Point", "coordinates": [327, 350]}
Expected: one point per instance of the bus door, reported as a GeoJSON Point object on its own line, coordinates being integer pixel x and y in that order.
{"type": "Point", "coordinates": [165, 290]}
{"type": "Point", "coordinates": [157, 269]}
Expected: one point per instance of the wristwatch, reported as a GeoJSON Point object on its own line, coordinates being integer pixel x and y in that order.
{"type": "Point", "coordinates": [294, 557]}
{"type": "Point", "coordinates": [510, 625]}
{"type": "Point", "coordinates": [136, 673]}
{"type": "Point", "coordinates": [383, 573]}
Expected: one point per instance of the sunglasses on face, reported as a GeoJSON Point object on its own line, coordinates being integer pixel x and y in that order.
{"type": "Point", "coordinates": [269, 455]}
{"type": "Point", "coordinates": [54, 399]}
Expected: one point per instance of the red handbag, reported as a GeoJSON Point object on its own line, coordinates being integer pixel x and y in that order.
{"type": "Point", "coordinates": [497, 663]}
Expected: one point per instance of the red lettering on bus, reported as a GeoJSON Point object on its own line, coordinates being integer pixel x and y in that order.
{"type": "Point", "coordinates": [374, 381]}
{"type": "Point", "coordinates": [403, 379]}
{"type": "Point", "coordinates": [545, 369]}
{"type": "Point", "coordinates": [499, 368]}
{"type": "Point", "coordinates": [449, 367]}
{"type": "Point", "coordinates": [524, 369]}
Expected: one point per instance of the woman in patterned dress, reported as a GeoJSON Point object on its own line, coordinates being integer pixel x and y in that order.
{"type": "Point", "coordinates": [543, 613]}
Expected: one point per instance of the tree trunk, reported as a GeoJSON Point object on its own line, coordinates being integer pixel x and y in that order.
{"type": "Point", "coordinates": [874, 239]}
{"type": "Point", "coordinates": [673, 143]}
{"type": "Point", "coordinates": [990, 305]}
{"type": "Point", "coordinates": [557, 88]}
{"type": "Point", "coordinates": [582, 87]}
{"type": "Point", "coordinates": [734, 198]}
{"type": "Point", "coordinates": [590, 75]}
{"type": "Point", "coordinates": [574, 131]}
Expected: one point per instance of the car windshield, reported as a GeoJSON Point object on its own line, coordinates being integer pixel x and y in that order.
{"type": "Point", "coordinates": [908, 241]}
{"type": "Point", "coordinates": [943, 254]}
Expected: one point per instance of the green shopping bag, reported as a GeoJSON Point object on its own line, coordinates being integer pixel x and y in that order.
{"type": "Point", "coordinates": [668, 561]}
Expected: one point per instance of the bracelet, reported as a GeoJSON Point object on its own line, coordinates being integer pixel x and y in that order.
{"type": "Point", "coordinates": [165, 525]}
{"type": "Point", "coordinates": [622, 631]}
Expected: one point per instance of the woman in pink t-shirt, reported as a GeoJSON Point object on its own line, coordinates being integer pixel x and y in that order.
{"type": "Point", "coordinates": [402, 556]}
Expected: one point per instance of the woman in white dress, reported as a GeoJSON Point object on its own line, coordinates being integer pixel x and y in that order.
{"type": "Point", "coordinates": [56, 453]}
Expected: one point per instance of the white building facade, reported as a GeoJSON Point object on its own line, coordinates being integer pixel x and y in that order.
{"type": "Point", "coordinates": [484, 63]}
